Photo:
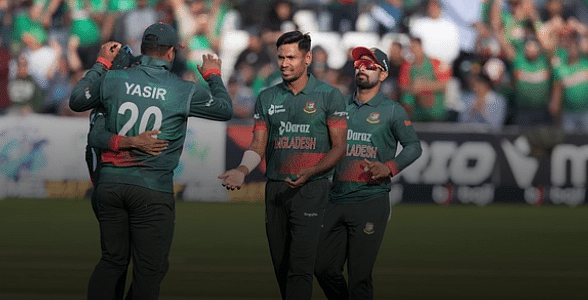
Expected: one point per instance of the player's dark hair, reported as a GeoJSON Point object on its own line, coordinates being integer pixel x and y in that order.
{"type": "Point", "coordinates": [151, 48]}
{"type": "Point", "coordinates": [295, 37]}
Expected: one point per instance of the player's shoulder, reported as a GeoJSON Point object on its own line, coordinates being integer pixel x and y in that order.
{"type": "Point", "coordinates": [392, 106]}
{"type": "Point", "coordinates": [118, 74]}
{"type": "Point", "coordinates": [271, 92]}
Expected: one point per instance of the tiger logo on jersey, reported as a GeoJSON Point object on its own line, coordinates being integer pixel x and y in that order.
{"type": "Point", "coordinates": [310, 107]}
{"type": "Point", "coordinates": [373, 118]}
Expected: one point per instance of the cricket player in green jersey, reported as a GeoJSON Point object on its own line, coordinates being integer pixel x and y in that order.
{"type": "Point", "coordinates": [300, 129]}
{"type": "Point", "coordinates": [359, 207]}
{"type": "Point", "coordinates": [134, 196]}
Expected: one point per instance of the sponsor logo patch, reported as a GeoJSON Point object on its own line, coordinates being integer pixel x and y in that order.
{"type": "Point", "coordinates": [276, 109]}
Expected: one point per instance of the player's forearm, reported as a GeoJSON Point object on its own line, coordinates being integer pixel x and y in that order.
{"type": "Point", "coordinates": [102, 139]}
{"type": "Point", "coordinates": [331, 159]}
{"type": "Point", "coordinates": [410, 152]}
{"type": "Point", "coordinates": [220, 106]}
{"type": "Point", "coordinates": [84, 95]}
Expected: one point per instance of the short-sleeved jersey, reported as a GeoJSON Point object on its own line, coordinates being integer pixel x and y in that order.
{"type": "Point", "coordinates": [149, 97]}
{"type": "Point", "coordinates": [374, 130]}
{"type": "Point", "coordinates": [532, 82]}
{"type": "Point", "coordinates": [298, 126]}
{"type": "Point", "coordinates": [574, 78]}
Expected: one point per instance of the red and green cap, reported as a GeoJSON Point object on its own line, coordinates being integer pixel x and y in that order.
{"type": "Point", "coordinates": [376, 54]}
{"type": "Point", "coordinates": [165, 33]}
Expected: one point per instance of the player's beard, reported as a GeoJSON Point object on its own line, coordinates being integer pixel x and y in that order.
{"type": "Point", "coordinates": [363, 82]}
{"type": "Point", "coordinates": [291, 77]}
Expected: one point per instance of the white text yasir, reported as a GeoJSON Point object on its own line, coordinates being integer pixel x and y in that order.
{"type": "Point", "coordinates": [152, 92]}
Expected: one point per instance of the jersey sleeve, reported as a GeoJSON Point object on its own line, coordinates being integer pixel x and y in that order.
{"type": "Point", "coordinates": [99, 137]}
{"type": "Point", "coordinates": [259, 117]}
{"type": "Point", "coordinates": [86, 93]}
{"type": "Point", "coordinates": [337, 112]}
{"type": "Point", "coordinates": [215, 104]}
{"type": "Point", "coordinates": [404, 133]}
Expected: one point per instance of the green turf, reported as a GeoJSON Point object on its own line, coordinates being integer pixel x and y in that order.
{"type": "Point", "coordinates": [220, 252]}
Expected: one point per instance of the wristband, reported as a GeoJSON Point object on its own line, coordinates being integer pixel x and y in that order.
{"type": "Point", "coordinates": [250, 160]}
{"type": "Point", "coordinates": [210, 72]}
{"type": "Point", "coordinates": [114, 142]}
{"type": "Point", "coordinates": [105, 62]}
{"type": "Point", "coordinates": [393, 166]}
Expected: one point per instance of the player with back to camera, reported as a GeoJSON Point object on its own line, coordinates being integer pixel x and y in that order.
{"type": "Point", "coordinates": [359, 207]}
{"type": "Point", "coordinates": [300, 129]}
{"type": "Point", "coordinates": [134, 195]}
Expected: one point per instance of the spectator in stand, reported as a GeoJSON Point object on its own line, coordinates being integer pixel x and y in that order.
{"type": "Point", "coordinates": [487, 45]}
{"type": "Point", "coordinates": [554, 9]}
{"type": "Point", "coordinates": [86, 29]}
{"type": "Point", "coordinates": [338, 15]}
{"type": "Point", "coordinates": [43, 59]}
{"type": "Point", "coordinates": [198, 28]}
{"type": "Point", "coordinates": [440, 37]}
{"type": "Point", "coordinates": [252, 13]}
{"type": "Point", "coordinates": [463, 14]}
{"type": "Point", "coordinates": [5, 19]}
{"type": "Point", "coordinates": [388, 14]}
{"type": "Point", "coordinates": [570, 92]}
{"type": "Point", "coordinates": [532, 80]}
{"type": "Point", "coordinates": [111, 21]}
{"type": "Point", "coordinates": [256, 55]}
{"type": "Point", "coordinates": [390, 86]}
{"type": "Point", "coordinates": [483, 105]}
{"type": "Point", "coordinates": [135, 22]}
{"type": "Point", "coordinates": [5, 58]}
{"type": "Point", "coordinates": [319, 66]}
{"type": "Point", "coordinates": [515, 22]}
{"type": "Point", "coordinates": [25, 94]}
{"type": "Point", "coordinates": [423, 82]}
{"type": "Point", "coordinates": [60, 87]}
{"type": "Point", "coordinates": [243, 100]}
{"type": "Point", "coordinates": [52, 15]}
{"type": "Point", "coordinates": [279, 20]}
{"type": "Point", "coordinates": [530, 68]}
{"type": "Point", "coordinates": [21, 21]}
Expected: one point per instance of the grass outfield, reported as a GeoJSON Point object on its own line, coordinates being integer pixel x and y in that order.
{"type": "Point", "coordinates": [49, 247]}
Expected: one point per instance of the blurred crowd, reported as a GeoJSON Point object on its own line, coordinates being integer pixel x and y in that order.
{"type": "Point", "coordinates": [489, 62]}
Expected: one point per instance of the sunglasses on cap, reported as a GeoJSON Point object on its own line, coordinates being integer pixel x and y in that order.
{"type": "Point", "coordinates": [367, 64]}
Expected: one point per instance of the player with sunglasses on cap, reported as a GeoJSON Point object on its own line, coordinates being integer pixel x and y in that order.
{"type": "Point", "coordinates": [359, 207]}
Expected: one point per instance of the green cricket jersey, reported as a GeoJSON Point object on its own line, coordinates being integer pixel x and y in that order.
{"type": "Point", "coordinates": [298, 126]}
{"type": "Point", "coordinates": [532, 82]}
{"type": "Point", "coordinates": [574, 78]}
{"type": "Point", "coordinates": [149, 97]}
{"type": "Point", "coordinates": [374, 130]}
